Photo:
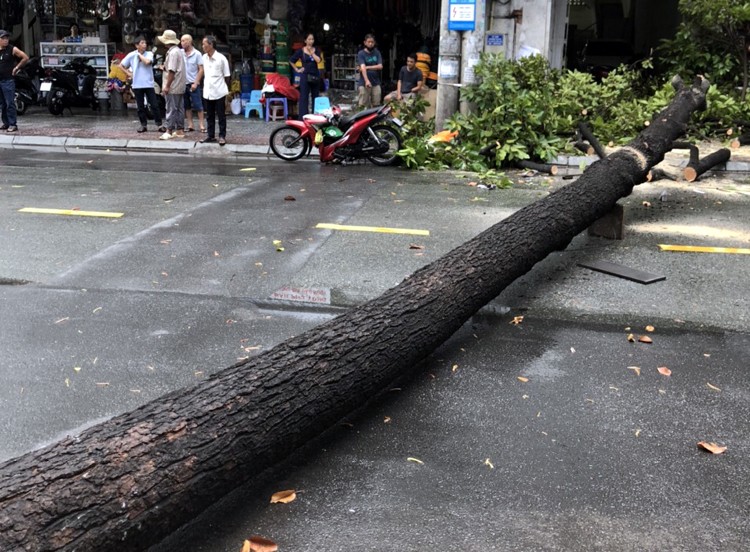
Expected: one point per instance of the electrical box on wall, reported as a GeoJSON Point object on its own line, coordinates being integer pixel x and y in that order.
{"type": "Point", "coordinates": [495, 43]}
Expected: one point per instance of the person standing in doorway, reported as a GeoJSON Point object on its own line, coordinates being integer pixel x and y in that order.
{"type": "Point", "coordinates": [174, 86]}
{"type": "Point", "coordinates": [309, 74]}
{"type": "Point", "coordinates": [11, 60]}
{"type": "Point", "coordinates": [139, 63]}
{"type": "Point", "coordinates": [370, 64]}
{"type": "Point", "coordinates": [215, 90]}
{"type": "Point", "coordinates": [193, 90]}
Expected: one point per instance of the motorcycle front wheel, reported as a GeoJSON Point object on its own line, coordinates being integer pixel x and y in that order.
{"type": "Point", "coordinates": [21, 104]}
{"type": "Point", "coordinates": [287, 143]}
{"type": "Point", "coordinates": [390, 135]}
{"type": "Point", "coordinates": [54, 103]}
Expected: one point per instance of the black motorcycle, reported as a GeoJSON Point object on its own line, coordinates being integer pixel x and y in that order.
{"type": "Point", "coordinates": [28, 80]}
{"type": "Point", "coordinates": [72, 85]}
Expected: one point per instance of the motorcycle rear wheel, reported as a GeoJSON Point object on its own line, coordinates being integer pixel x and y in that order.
{"type": "Point", "coordinates": [287, 143]}
{"type": "Point", "coordinates": [54, 104]}
{"type": "Point", "coordinates": [21, 104]}
{"type": "Point", "coordinates": [393, 137]}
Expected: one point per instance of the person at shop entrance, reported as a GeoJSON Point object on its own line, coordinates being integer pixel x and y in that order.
{"type": "Point", "coordinates": [139, 63]}
{"type": "Point", "coordinates": [370, 64]}
{"type": "Point", "coordinates": [309, 74]}
{"type": "Point", "coordinates": [215, 90]}
{"type": "Point", "coordinates": [410, 81]}
{"type": "Point", "coordinates": [8, 69]}
{"type": "Point", "coordinates": [174, 86]}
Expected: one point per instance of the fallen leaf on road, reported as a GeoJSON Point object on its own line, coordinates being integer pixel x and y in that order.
{"type": "Point", "coordinates": [712, 386]}
{"type": "Point", "coordinates": [216, 254]}
{"type": "Point", "coordinates": [572, 350]}
{"type": "Point", "coordinates": [67, 382]}
{"type": "Point", "coordinates": [637, 432]}
{"type": "Point", "coordinates": [166, 242]}
{"type": "Point", "coordinates": [471, 183]}
{"type": "Point", "coordinates": [415, 246]}
{"type": "Point", "coordinates": [168, 199]}
{"type": "Point", "coordinates": [645, 339]}
{"type": "Point", "coordinates": [489, 464]}
{"type": "Point", "coordinates": [290, 198]}
{"type": "Point", "coordinates": [631, 338]}
{"type": "Point", "coordinates": [646, 204]}
{"type": "Point", "coordinates": [259, 544]}
{"type": "Point", "coordinates": [454, 368]}
{"type": "Point", "coordinates": [664, 371]}
{"type": "Point", "coordinates": [387, 420]}
{"type": "Point", "coordinates": [522, 379]}
{"type": "Point", "coordinates": [650, 328]}
{"type": "Point", "coordinates": [517, 320]}
{"type": "Point", "coordinates": [636, 369]}
{"type": "Point", "coordinates": [713, 448]}
{"type": "Point", "coordinates": [77, 368]}
{"type": "Point", "coordinates": [283, 497]}
{"type": "Point", "coordinates": [415, 460]}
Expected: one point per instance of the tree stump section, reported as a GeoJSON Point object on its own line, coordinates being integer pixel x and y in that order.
{"type": "Point", "coordinates": [128, 482]}
{"type": "Point", "coordinates": [695, 168]}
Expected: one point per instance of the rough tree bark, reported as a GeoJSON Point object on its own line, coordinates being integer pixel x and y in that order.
{"type": "Point", "coordinates": [128, 482]}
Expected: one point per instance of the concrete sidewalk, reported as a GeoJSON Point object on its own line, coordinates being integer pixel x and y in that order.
{"type": "Point", "coordinates": [83, 128]}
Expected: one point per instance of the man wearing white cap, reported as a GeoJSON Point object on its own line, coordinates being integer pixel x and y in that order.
{"type": "Point", "coordinates": [173, 87]}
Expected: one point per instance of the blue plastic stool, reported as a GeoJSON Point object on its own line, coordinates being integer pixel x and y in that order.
{"type": "Point", "coordinates": [253, 104]}
{"type": "Point", "coordinates": [271, 108]}
{"type": "Point", "coordinates": [321, 104]}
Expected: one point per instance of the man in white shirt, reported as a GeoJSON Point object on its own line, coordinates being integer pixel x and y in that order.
{"type": "Point", "coordinates": [215, 89]}
{"type": "Point", "coordinates": [173, 88]}
{"type": "Point", "coordinates": [139, 64]}
{"type": "Point", "coordinates": [194, 76]}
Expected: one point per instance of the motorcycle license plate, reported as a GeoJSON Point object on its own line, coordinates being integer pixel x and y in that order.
{"type": "Point", "coordinates": [397, 121]}
{"type": "Point", "coordinates": [45, 87]}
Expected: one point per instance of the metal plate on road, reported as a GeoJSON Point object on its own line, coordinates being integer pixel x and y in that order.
{"type": "Point", "coordinates": [622, 271]}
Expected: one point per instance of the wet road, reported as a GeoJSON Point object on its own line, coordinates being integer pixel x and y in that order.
{"type": "Point", "coordinates": [587, 453]}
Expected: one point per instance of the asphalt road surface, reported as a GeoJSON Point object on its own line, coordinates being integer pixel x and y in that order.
{"type": "Point", "coordinates": [556, 433]}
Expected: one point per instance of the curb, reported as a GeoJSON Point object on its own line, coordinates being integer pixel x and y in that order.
{"type": "Point", "coordinates": [129, 145]}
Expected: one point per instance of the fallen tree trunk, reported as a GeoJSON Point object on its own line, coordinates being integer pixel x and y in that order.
{"type": "Point", "coordinates": [126, 483]}
{"type": "Point", "coordinates": [695, 169]}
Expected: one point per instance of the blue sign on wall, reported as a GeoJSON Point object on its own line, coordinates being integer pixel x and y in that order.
{"type": "Point", "coordinates": [461, 15]}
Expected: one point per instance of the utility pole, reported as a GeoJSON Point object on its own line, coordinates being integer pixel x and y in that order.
{"type": "Point", "coordinates": [449, 65]}
{"type": "Point", "coordinates": [472, 45]}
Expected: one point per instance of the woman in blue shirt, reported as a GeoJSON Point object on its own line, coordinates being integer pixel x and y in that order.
{"type": "Point", "coordinates": [309, 74]}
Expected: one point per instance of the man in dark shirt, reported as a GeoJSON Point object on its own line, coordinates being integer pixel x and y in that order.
{"type": "Point", "coordinates": [410, 80]}
{"type": "Point", "coordinates": [369, 64]}
{"type": "Point", "coordinates": [11, 60]}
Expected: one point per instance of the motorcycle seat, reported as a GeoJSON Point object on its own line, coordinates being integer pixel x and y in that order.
{"type": "Point", "coordinates": [347, 121]}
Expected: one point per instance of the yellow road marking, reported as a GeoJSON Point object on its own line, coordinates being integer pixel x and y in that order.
{"type": "Point", "coordinates": [70, 212]}
{"type": "Point", "coordinates": [328, 226]}
{"type": "Point", "coordinates": [701, 249]}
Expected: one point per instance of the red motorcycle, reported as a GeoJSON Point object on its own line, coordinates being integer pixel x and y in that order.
{"type": "Point", "coordinates": [371, 134]}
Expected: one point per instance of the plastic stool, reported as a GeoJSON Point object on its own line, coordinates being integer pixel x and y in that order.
{"type": "Point", "coordinates": [272, 110]}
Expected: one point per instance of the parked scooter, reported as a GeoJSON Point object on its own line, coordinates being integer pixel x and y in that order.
{"type": "Point", "coordinates": [371, 134]}
{"type": "Point", "coordinates": [28, 79]}
{"type": "Point", "coordinates": [71, 86]}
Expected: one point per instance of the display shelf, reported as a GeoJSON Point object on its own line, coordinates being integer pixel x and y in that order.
{"type": "Point", "coordinates": [57, 54]}
{"type": "Point", "coordinates": [344, 71]}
